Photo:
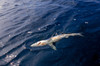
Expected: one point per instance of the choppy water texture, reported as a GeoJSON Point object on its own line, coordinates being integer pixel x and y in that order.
{"type": "Point", "coordinates": [23, 22]}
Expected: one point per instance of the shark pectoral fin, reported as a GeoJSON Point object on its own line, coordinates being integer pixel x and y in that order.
{"type": "Point", "coordinates": [66, 36]}
{"type": "Point", "coordinates": [52, 46]}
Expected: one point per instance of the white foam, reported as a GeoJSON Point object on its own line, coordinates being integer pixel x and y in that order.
{"type": "Point", "coordinates": [0, 7]}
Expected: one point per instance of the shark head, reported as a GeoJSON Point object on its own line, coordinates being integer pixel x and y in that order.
{"type": "Point", "coordinates": [39, 43]}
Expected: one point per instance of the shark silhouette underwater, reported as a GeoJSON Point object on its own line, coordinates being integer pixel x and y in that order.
{"type": "Point", "coordinates": [54, 39]}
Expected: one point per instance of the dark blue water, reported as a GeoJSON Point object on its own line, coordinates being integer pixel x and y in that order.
{"type": "Point", "coordinates": [23, 22]}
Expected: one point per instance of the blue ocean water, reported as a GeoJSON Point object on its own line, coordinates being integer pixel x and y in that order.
{"type": "Point", "coordinates": [23, 22]}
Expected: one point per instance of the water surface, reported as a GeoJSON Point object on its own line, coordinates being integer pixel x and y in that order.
{"type": "Point", "coordinates": [25, 22]}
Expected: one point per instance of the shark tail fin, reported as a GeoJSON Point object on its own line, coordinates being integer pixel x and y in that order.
{"type": "Point", "coordinates": [52, 46]}
{"type": "Point", "coordinates": [74, 34]}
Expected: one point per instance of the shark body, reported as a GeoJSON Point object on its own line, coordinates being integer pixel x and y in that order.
{"type": "Point", "coordinates": [54, 39]}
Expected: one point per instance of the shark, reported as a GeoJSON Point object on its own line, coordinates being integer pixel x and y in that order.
{"type": "Point", "coordinates": [54, 39]}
